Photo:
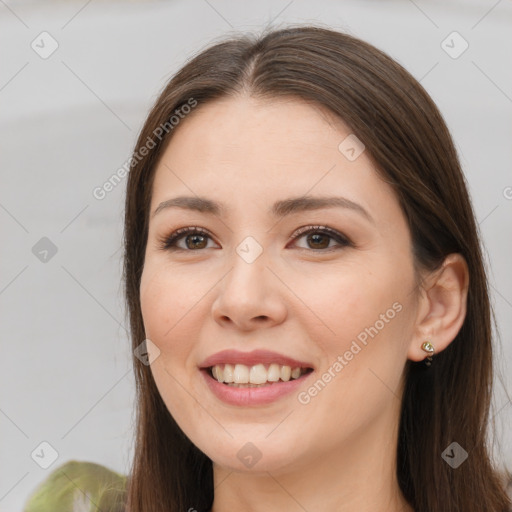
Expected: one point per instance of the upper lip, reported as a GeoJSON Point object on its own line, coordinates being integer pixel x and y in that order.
{"type": "Point", "coordinates": [252, 358]}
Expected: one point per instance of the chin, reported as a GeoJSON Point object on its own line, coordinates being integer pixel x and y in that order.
{"type": "Point", "coordinates": [254, 457]}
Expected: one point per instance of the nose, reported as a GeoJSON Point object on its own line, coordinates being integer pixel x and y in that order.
{"type": "Point", "coordinates": [250, 296]}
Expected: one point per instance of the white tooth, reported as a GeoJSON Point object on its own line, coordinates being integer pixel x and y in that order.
{"type": "Point", "coordinates": [228, 373]}
{"type": "Point", "coordinates": [258, 374]}
{"type": "Point", "coordinates": [241, 374]}
{"type": "Point", "coordinates": [286, 372]}
{"type": "Point", "coordinates": [274, 373]}
{"type": "Point", "coordinates": [254, 375]}
{"type": "Point", "coordinates": [296, 373]}
{"type": "Point", "coordinates": [220, 374]}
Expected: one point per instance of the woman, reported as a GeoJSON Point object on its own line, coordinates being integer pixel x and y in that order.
{"type": "Point", "coordinates": [389, 273]}
{"type": "Point", "coordinates": [308, 303]}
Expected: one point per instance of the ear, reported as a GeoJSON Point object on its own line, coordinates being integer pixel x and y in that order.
{"type": "Point", "coordinates": [441, 307]}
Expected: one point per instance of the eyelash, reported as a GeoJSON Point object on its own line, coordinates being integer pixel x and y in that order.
{"type": "Point", "coordinates": [168, 243]}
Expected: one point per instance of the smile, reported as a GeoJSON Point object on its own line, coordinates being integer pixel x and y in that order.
{"type": "Point", "coordinates": [258, 375]}
{"type": "Point", "coordinates": [246, 394]}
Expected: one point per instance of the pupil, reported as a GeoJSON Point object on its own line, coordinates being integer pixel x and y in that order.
{"type": "Point", "coordinates": [194, 238]}
{"type": "Point", "coordinates": [314, 238]}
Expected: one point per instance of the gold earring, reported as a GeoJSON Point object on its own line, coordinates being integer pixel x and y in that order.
{"type": "Point", "coordinates": [429, 348]}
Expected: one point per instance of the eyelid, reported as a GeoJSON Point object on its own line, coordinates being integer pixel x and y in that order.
{"type": "Point", "coordinates": [340, 238]}
{"type": "Point", "coordinates": [165, 241]}
{"type": "Point", "coordinates": [306, 229]}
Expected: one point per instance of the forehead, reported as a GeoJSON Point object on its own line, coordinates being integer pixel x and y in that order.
{"type": "Point", "coordinates": [242, 126]}
{"type": "Point", "coordinates": [247, 151]}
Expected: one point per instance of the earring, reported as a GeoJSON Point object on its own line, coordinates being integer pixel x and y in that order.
{"type": "Point", "coordinates": [429, 348]}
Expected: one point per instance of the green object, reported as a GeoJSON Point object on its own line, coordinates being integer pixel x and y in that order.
{"type": "Point", "coordinates": [79, 487]}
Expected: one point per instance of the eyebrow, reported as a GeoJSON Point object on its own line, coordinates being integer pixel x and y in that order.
{"type": "Point", "coordinates": [279, 209]}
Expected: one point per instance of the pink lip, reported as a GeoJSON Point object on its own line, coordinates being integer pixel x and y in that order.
{"type": "Point", "coordinates": [252, 358]}
{"type": "Point", "coordinates": [252, 396]}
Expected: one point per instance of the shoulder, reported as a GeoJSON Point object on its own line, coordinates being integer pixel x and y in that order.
{"type": "Point", "coordinates": [78, 486]}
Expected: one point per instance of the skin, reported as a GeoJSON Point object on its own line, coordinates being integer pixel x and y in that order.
{"type": "Point", "coordinates": [337, 452]}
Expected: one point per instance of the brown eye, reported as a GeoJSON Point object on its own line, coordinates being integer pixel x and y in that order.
{"type": "Point", "coordinates": [195, 239]}
{"type": "Point", "coordinates": [319, 240]}
{"type": "Point", "coordinates": [320, 237]}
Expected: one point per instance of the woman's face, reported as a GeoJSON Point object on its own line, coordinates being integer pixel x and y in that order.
{"type": "Point", "coordinates": [338, 297]}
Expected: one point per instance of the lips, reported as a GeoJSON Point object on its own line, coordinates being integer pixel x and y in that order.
{"type": "Point", "coordinates": [254, 395]}
{"type": "Point", "coordinates": [252, 358]}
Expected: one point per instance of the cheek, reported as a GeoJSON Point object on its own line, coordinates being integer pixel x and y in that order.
{"type": "Point", "coordinates": [342, 304]}
{"type": "Point", "coordinates": [167, 301]}
{"type": "Point", "coordinates": [365, 320]}
{"type": "Point", "coordinates": [167, 305]}
{"type": "Point", "coordinates": [362, 360]}
{"type": "Point", "coordinates": [164, 306]}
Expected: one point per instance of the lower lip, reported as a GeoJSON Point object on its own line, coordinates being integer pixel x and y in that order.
{"type": "Point", "coordinates": [253, 396]}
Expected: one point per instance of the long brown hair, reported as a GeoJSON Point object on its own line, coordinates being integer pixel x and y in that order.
{"type": "Point", "coordinates": [410, 146]}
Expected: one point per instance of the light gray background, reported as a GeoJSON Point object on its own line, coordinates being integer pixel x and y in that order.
{"type": "Point", "coordinates": [68, 122]}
